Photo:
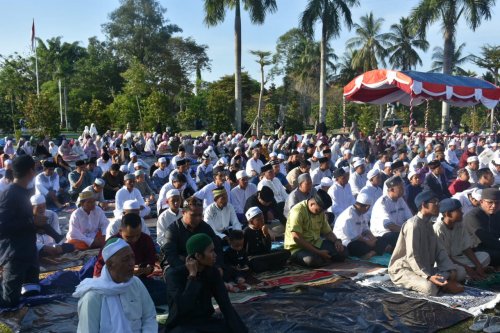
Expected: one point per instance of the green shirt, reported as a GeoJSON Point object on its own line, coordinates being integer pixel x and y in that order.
{"type": "Point", "coordinates": [310, 226]}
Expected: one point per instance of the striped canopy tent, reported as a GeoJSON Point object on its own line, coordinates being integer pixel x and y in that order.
{"type": "Point", "coordinates": [411, 88]}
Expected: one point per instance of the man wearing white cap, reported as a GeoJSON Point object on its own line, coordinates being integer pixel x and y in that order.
{"type": "Point", "coordinates": [181, 155]}
{"type": "Point", "coordinates": [469, 199]}
{"type": "Point", "coordinates": [340, 192]}
{"type": "Point", "coordinates": [117, 301]}
{"type": "Point", "coordinates": [494, 166]}
{"type": "Point", "coordinates": [241, 193]}
{"type": "Point", "coordinates": [314, 160]}
{"type": "Point", "coordinates": [129, 207]}
{"type": "Point", "coordinates": [182, 167]}
{"type": "Point", "coordinates": [292, 176]}
{"type": "Point", "coordinates": [254, 164]}
{"type": "Point", "coordinates": [204, 171]}
{"type": "Point", "coordinates": [170, 215]}
{"type": "Point", "coordinates": [472, 167]}
{"type": "Point", "coordinates": [133, 159]}
{"type": "Point", "coordinates": [129, 192]}
{"type": "Point", "coordinates": [345, 160]}
{"type": "Point", "coordinates": [97, 188]}
{"type": "Point", "coordinates": [471, 151]}
{"type": "Point", "coordinates": [325, 184]}
{"type": "Point", "coordinates": [372, 188]}
{"type": "Point", "coordinates": [160, 175]}
{"type": "Point", "coordinates": [352, 227]}
{"type": "Point", "coordinates": [87, 224]}
{"type": "Point", "coordinates": [358, 178]}
{"type": "Point", "coordinates": [450, 155]}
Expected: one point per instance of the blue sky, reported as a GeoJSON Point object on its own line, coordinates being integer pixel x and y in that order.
{"type": "Point", "coordinates": [76, 20]}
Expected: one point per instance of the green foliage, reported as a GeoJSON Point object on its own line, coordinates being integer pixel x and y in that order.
{"type": "Point", "coordinates": [95, 112]}
{"type": "Point", "coordinates": [219, 111]}
{"type": "Point", "coordinates": [41, 116]}
{"type": "Point", "coordinates": [195, 110]}
{"type": "Point", "coordinates": [294, 123]}
{"type": "Point", "coordinates": [156, 110]}
{"type": "Point", "coordinates": [123, 110]}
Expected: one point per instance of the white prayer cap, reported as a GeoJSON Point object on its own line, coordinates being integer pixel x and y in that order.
{"type": "Point", "coordinates": [496, 161]}
{"type": "Point", "coordinates": [318, 154]}
{"type": "Point", "coordinates": [358, 163]}
{"type": "Point", "coordinates": [137, 165]}
{"type": "Point", "coordinates": [131, 204]}
{"type": "Point", "coordinates": [476, 194]}
{"type": "Point", "coordinates": [372, 173]}
{"type": "Point", "coordinates": [222, 160]}
{"type": "Point", "coordinates": [8, 162]}
{"type": "Point", "coordinates": [99, 182]}
{"type": "Point", "coordinates": [281, 156]}
{"type": "Point", "coordinates": [387, 165]}
{"type": "Point", "coordinates": [133, 154]}
{"type": "Point", "coordinates": [112, 246]}
{"type": "Point", "coordinates": [347, 151]}
{"type": "Point", "coordinates": [252, 212]}
{"type": "Point", "coordinates": [494, 144]}
{"type": "Point", "coordinates": [273, 154]}
{"type": "Point", "coordinates": [236, 149]}
{"type": "Point", "coordinates": [326, 182]}
{"type": "Point", "coordinates": [241, 174]}
{"type": "Point", "coordinates": [162, 160]}
{"type": "Point", "coordinates": [411, 174]}
{"type": "Point", "coordinates": [37, 199]}
{"type": "Point", "coordinates": [452, 143]}
{"type": "Point", "coordinates": [363, 199]}
{"type": "Point", "coordinates": [471, 145]}
{"type": "Point", "coordinates": [471, 159]}
{"type": "Point", "coordinates": [210, 148]}
{"type": "Point", "coordinates": [123, 168]}
{"type": "Point", "coordinates": [172, 192]}
{"type": "Point", "coordinates": [300, 150]}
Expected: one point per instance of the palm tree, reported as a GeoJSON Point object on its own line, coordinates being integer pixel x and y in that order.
{"type": "Point", "coordinates": [346, 72]}
{"type": "Point", "coordinates": [371, 43]}
{"type": "Point", "coordinates": [263, 60]}
{"type": "Point", "coordinates": [457, 60]}
{"type": "Point", "coordinates": [405, 42]}
{"type": "Point", "coordinates": [215, 13]}
{"type": "Point", "coordinates": [490, 60]}
{"type": "Point", "coordinates": [330, 13]}
{"type": "Point", "coordinates": [448, 12]}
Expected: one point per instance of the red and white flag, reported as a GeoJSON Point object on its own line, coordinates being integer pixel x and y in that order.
{"type": "Point", "coordinates": [33, 36]}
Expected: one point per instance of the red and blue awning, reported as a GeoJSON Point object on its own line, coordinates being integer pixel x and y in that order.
{"type": "Point", "coordinates": [384, 86]}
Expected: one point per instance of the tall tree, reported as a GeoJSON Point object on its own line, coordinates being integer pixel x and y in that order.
{"type": "Point", "coordinates": [370, 43]}
{"type": "Point", "coordinates": [346, 71]}
{"type": "Point", "coordinates": [489, 60]}
{"type": "Point", "coordinates": [263, 59]}
{"type": "Point", "coordinates": [331, 13]}
{"type": "Point", "coordinates": [215, 13]}
{"type": "Point", "coordinates": [457, 60]}
{"type": "Point", "coordinates": [405, 42]}
{"type": "Point", "coordinates": [448, 12]}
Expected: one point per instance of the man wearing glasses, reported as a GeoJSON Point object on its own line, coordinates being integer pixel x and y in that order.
{"type": "Point", "coordinates": [419, 261]}
{"type": "Point", "coordinates": [483, 223]}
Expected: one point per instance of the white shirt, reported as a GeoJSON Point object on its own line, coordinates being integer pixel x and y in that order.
{"type": "Point", "coordinates": [164, 220]}
{"type": "Point", "coordinates": [415, 161]}
{"type": "Point", "coordinates": [385, 212]}
{"type": "Point", "coordinates": [318, 174]}
{"type": "Point", "coordinates": [221, 219]}
{"type": "Point", "coordinates": [342, 198]}
{"type": "Point", "coordinates": [350, 225]}
{"type": "Point", "coordinates": [44, 183]}
{"type": "Point", "coordinates": [161, 203]}
{"type": "Point", "coordinates": [357, 182]}
{"type": "Point", "coordinates": [254, 165]}
{"type": "Point", "coordinates": [279, 190]}
{"type": "Point", "coordinates": [472, 175]}
{"type": "Point", "coordinates": [239, 197]}
{"type": "Point", "coordinates": [190, 180]}
{"type": "Point", "coordinates": [207, 196]}
{"type": "Point", "coordinates": [451, 157]}
{"type": "Point", "coordinates": [123, 195]}
{"type": "Point", "coordinates": [373, 192]}
{"type": "Point", "coordinates": [84, 227]}
{"type": "Point", "coordinates": [463, 197]}
{"type": "Point", "coordinates": [114, 227]}
{"type": "Point", "coordinates": [105, 166]}
{"type": "Point", "coordinates": [163, 174]}
{"type": "Point", "coordinates": [44, 239]}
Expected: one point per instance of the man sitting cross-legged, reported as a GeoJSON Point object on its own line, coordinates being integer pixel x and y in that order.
{"type": "Point", "coordinates": [454, 237]}
{"type": "Point", "coordinates": [419, 261]}
{"type": "Point", "coordinates": [304, 228]}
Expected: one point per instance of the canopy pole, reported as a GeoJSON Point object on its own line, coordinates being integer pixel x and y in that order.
{"type": "Point", "coordinates": [412, 121]}
{"type": "Point", "coordinates": [343, 113]}
{"type": "Point", "coordinates": [427, 116]}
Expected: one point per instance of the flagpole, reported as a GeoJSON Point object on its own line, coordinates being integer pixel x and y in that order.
{"type": "Point", "coordinates": [33, 45]}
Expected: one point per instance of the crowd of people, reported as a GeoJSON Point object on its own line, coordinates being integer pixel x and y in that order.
{"type": "Point", "coordinates": [432, 201]}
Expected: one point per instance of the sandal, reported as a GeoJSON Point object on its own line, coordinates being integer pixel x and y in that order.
{"type": "Point", "coordinates": [493, 325]}
{"type": "Point", "coordinates": [480, 322]}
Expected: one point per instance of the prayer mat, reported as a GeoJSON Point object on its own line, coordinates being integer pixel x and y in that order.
{"type": "Point", "coordinates": [67, 260]}
{"type": "Point", "coordinates": [56, 317]}
{"type": "Point", "coordinates": [291, 276]}
{"type": "Point", "coordinates": [353, 269]}
{"type": "Point", "coordinates": [472, 300]}
{"type": "Point", "coordinates": [344, 307]}
{"type": "Point", "coordinates": [491, 283]}
{"type": "Point", "coordinates": [382, 260]}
